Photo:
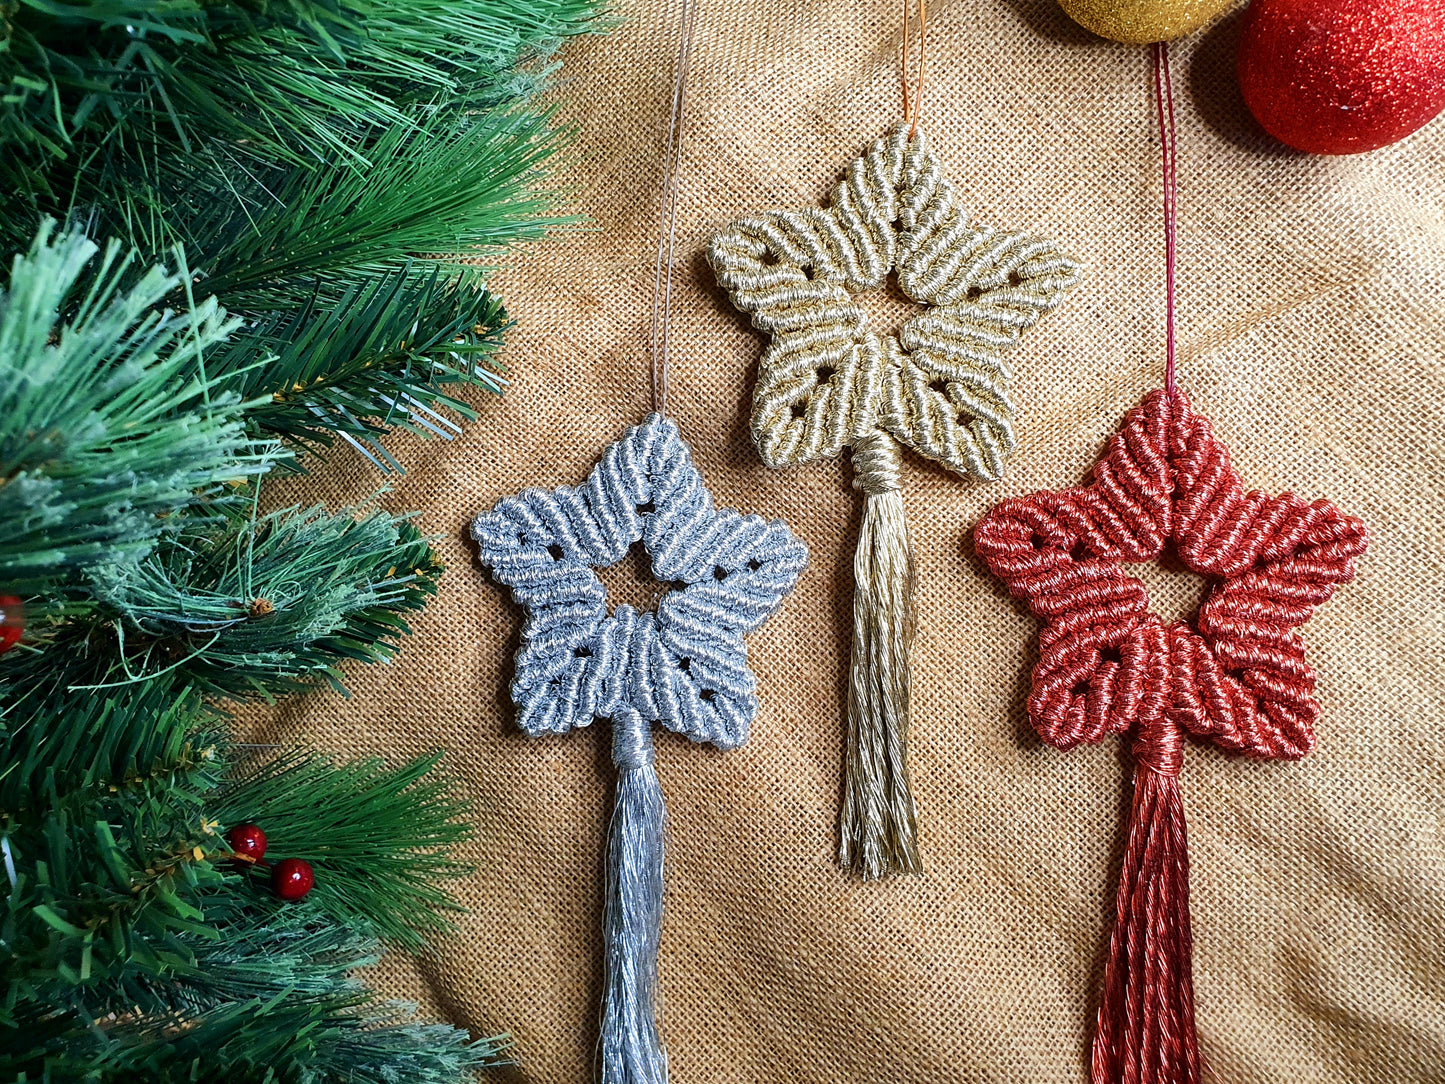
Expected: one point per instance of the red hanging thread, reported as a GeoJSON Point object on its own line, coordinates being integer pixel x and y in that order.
{"type": "Point", "coordinates": [1233, 673]}
{"type": "Point", "coordinates": [1169, 157]}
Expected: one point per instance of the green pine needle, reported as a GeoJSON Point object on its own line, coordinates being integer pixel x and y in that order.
{"type": "Point", "coordinates": [258, 609]}
{"type": "Point", "coordinates": [330, 180]}
{"type": "Point", "coordinates": [302, 153]}
{"type": "Point", "coordinates": [381, 357]}
{"type": "Point", "coordinates": [108, 422]}
{"type": "Point", "coordinates": [462, 184]}
{"type": "Point", "coordinates": [56, 743]}
{"type": "Point", "coordinates": [344, 1039]}
{"type": "Point", "coordinates": [293, 80]}
{"type": "Point", "coordinates": [126, 921]}
{"type": "Point", "coordinates": [381, 835]}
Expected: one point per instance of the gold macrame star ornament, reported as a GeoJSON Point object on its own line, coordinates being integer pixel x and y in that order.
{"type": "Point", "coordinates": [828, 381]}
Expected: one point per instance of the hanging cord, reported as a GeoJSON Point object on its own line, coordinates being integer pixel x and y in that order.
{"type": "Point", "coordinates": [1169, 145]}
{"type": "Point", "coordinates": [913, 95]}
{"type": "Point", "coordinates": [667, 232]}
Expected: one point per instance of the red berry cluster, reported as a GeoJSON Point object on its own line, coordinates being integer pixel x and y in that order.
{"type": "Point", "coordinates": [291, 878]}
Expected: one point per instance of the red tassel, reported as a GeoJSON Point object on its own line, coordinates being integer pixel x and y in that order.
{"type": "Point", "coordinates": [1146, 1021]}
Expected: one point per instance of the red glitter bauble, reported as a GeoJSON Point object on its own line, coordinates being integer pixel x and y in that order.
{"type": "Point", "coordinates": [12, 622]}
{"type": "Point", "coordinates": [1341, 76]}
{"type": "Point", "coordinates": [247, 841]}
{"type": "Point", "coordinates": [291, 878]}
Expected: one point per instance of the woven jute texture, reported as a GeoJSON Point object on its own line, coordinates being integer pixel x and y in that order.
{"type": "Point", "coordinates": [1311, 322]}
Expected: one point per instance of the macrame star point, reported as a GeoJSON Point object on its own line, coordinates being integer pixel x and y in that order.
{"type": "Point", "coordinates": [1234, 672]}
{"type": "Point", "coordinates": [940, 386]}
{"type": "Point", "coordinates": [683, 666]}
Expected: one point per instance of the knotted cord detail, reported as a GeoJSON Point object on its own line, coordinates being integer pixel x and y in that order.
{"type": "Point", "coordinates": [683, 667]}
{"type": "Point", "coordinates": [1235, 672]}
{"type": "Point", "coordinates": [827, 379]}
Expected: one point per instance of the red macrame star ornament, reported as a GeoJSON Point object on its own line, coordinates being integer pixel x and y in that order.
{"type": "Point", "coordinates": [1234, 673]}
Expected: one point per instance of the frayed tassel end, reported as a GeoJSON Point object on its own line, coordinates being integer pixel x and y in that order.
{"type": "Point", "coordinates": [879, 824]}
{"type": "Point", "coordinates": [1146, 1021]}
{"type": "Point", "coordinates": [630, 1048]}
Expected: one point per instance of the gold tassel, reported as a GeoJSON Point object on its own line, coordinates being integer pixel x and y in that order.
{"type": "Point", "coordinates": [879, 824]}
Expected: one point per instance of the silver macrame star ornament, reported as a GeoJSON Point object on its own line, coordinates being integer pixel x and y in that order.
{"type": "Point", "coordinates": [683, 667]}
{"type": "Point", "coordinates": [828, 381]}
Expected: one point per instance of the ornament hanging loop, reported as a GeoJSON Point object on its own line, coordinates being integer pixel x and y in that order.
{"type": "Point", "coordinates": [913, 94]}
{"type": "Point", "coordinates": [667, 229]}
{"type": "Point", "coordinates": [1169, 157]}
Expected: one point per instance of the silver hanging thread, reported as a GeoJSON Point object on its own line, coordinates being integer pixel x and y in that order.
{"type": "Point", "coordinates": [667, 230]}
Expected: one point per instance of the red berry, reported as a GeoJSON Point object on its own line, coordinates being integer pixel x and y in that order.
{"type": "Point", "coordinates": [247, 841]}
{"type": "Point", "coordinates": [12, 622]}
{"type": "Point", "coordinates": [292, 878]}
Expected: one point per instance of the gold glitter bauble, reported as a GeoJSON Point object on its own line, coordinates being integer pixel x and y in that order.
{"type": "Point", "coordinates": [1141, 21]}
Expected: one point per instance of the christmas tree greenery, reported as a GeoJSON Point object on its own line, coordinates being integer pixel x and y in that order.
{"type": "Point", "coordinates": [223, 221]}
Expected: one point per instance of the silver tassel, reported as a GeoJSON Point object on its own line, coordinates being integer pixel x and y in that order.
{"type": "Point", "coordinates": [630, 1048]}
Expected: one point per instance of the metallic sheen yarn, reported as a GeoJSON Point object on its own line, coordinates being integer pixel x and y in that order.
{"type": "Point", "coordinates": [879, 821]}
{"type": "Point", "coordinates": [827, 378]}
{"type": "Point", "coordinates": [629, 1048]}
{"type": "Point", "coordinates": [829, 382]}
{"type": "Point", "coordinates": [683, 667]}
{"type": "Point", "coordinates": [1234, 673]}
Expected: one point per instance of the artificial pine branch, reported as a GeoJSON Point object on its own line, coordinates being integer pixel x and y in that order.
{"type": "Point", "coordinates": [300, 152]}
{"type": "Point", "coordinates": [342, 1039]}
{"type": "Point", "coordinates": [128, 919]}
{"type": "Point", "coordinates": [382, 834]}
{"type": "Point", "coordinates": [291, 80]}
{"type": "Point", "coordinates": [301, 164]}
{"type": "Point", "coordinates": [108, 421]}
{"type": "Point", "coordinates": [59, 747]}
{"type": "Point", "coordinates": [244, 608]}
{"type": "Point", "coordinates": [390, 349]}
{"type": "Point", "coordinates": [446, 182]}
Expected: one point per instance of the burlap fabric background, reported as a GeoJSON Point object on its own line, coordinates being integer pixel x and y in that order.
{"type": "Point", "coordinates": [1311, 323]}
